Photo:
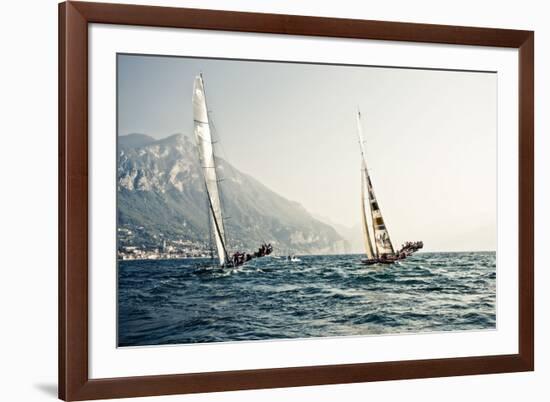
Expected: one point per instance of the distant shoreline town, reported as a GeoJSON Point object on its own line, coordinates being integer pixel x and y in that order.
{"type": "Point", "coordinates": [159, 248]}
{"type": "Point", "coordinates": [135, 253]}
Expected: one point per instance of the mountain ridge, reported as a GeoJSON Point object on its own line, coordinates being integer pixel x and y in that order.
{"type": "Point", "coordinates": [161, 196]}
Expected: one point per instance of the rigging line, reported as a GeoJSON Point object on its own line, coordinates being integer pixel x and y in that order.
{"type": "Point", "coordinates": [216, 222]}
{"type": "Point", "coordinates": [208, 217]}
{"type": "Point", "coordinates": [375, 200]}
{"type": "Point", "coordinates": [366, 230]}
{"type": "Point", "coordinates": [219, 144]}
{"type": "Point", "coordinates": [214, 160]}
{"type": "Point", "coordinates": [367, 179]}
{"type": "Point", "coordinates": [220, 192]}
{"type": "Point", "coordinates": [370, 190]}
{"type": "Point", "coordinates": [217, 227]}
{"type": "Point", "coordinates": [218, 141]}
{"type": "Point", "coordinates": [225, 155]}
{"type": "Point", "coordinates": [210, 243]}
{"type": "Point", "coordinates": [211, 207]}
{"type": "Point", "coordinates": [211, 124]}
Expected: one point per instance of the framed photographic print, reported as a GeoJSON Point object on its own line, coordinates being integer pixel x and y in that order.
{"type": "Point", "coordinates": [259, 200]}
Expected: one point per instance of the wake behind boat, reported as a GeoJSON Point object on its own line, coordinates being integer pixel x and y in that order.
{"type": "Point", "coordinates": [205, 147]}
{"type": "Point", "coordinates": [383, 251]}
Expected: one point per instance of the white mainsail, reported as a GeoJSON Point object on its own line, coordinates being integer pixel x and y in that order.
{"type": "Point", "coordinates": [382, 240]}
{"type": "Point", "coordinates": [203, 138]}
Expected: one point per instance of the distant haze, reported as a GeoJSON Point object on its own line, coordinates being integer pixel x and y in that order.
{"type": "Point", "coordinates": [430, 137]}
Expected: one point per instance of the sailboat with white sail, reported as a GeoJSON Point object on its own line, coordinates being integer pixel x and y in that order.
{"type": "Point", "coordinates": [383, 250]}
{"type": "Point", "coordinates": [207, 159]}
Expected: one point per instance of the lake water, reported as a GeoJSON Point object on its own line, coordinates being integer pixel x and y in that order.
{"type": "Point", "coordinates": [187, 301]}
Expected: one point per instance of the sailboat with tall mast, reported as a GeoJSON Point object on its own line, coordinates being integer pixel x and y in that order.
{"type": "Point", "coordinates": [207, 159]}
{"type": "Point", "coordinates": [383, 250]}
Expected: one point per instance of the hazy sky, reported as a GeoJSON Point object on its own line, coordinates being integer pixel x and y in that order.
{"type": "Point", "coordinates": [430, 137]}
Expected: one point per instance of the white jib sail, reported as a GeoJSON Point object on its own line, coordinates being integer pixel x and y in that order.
{"type": "Point", "coordinates": [203, 138]}
{"type": "Point", "coordinates": [382, 239]}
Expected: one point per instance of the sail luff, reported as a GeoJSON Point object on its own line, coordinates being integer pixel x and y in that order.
{"type": "Point", "coordinates": [372, 216]}
{"type": "Point", "coordinates": [382, 241]}
{"type": "Point", "coordinates": [381, 235]}
{"type": "Point", "coordinates": [203, 138]}
{"type": "Point", "coordinates": [366, 235]}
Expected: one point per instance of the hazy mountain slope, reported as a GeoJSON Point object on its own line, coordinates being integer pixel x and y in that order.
{"type": "Point", "coordinates": [161, 190]}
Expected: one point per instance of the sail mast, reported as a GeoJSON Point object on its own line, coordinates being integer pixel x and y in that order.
{"type": "Point", "coordinates": [382, 239]}
{"type": "Point", "coordinates": [364, 202]}
{"type": "Point", "coordinates": [203, 138]}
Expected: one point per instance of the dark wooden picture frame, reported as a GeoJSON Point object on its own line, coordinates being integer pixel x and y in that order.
{"type": "Point", "coordinates": [74, 381]}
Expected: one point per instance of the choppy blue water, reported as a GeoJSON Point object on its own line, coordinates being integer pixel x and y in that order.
{"type": "Point", "coordinates": [183, 301]}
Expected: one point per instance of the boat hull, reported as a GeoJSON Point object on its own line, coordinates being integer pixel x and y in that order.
{"type": "Point", "coordinates": [370, 261]}
{"type": "Point", "coordinates": [406, 251]}
{"type": "Point", "coordinates": [239, 259]}
{"type": "Point", "coordinates": [378, 261]}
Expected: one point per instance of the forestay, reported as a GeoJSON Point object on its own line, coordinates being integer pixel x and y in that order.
{"type": "Point", "coordinates": [382, 240]}
{"type": "Point", "coordinates": [364, 202]}
{"type": "Point", "coordinates": [203, 138]}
